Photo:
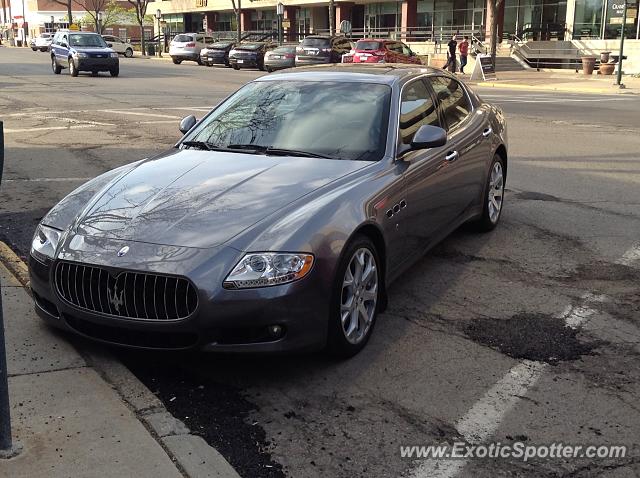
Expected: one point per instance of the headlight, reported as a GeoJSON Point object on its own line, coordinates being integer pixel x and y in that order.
{"type": "Point", "coordinates": [45, 242]}
{"type": "Point", "coordinates": [113, 54]}
{"type": "Point", "coordinates": [78, 54]}
{"type": "Point", "coordinates": [260, 269]}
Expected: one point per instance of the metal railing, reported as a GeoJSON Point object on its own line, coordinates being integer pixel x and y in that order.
{"type": "Point", "coordinates": [559, 58]}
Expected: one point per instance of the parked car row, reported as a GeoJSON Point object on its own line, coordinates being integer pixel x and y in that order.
{"type": "Point", "coordinates": [43, 43]}
{"type": "Point", "coordinates": [313, 50]}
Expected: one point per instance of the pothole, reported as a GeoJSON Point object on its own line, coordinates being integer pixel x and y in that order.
{"type": "Point", "coordinates": [534, 337]}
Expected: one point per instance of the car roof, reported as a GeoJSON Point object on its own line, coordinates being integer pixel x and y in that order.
{"type": "Point", "coordinates": [387, 73]}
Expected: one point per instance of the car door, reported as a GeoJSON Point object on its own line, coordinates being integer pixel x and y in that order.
{"type": "Point", "coordinates": [62, 50]}
{"type": "Point", "coordinates": [468, 141]}
{"type": "Point", "coordinates": [427, 173]}
{"type": "Point", "coordinates": [118, 45]}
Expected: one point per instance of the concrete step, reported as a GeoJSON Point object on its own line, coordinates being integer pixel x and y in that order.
{"type": "Point", "coordinates": [506, 63]}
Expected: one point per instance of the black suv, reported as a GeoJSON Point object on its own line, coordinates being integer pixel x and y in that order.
{"type": "Point", "coordinates": [82, 51]}
{"type": "Point", "coordinates": [316, 49]}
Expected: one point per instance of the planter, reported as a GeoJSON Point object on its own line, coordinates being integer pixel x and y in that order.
{"type": "Point", "coordinates": [588, 64]}
{"type": "Point", "coordinates": [604, 56]}
{"type": "Point", "coordinates": [607, 68]}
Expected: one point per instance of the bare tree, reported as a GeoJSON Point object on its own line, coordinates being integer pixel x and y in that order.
{"type": "Point", "coordinates": [66, 3]}
{"type": "Point", "coordinates": [332, 21]}
{"type": "Point", "coordinates": [492, 12]}
{"type": "Point", "coordinates": [238, 11]}
{"type": "Point", "coordinates": [140, 8]}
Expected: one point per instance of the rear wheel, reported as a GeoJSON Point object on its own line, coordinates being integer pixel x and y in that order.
{"type": "Point", "coordinates": [269, 69]}
{"type": "Point", "coordinates": [128, 52]}
{"type": "Point", "coordinates": [54, 65]}
{"type": "Point", "coordinates": [494, 196]}
{"type": "Point", "coordinates": [73, 69]}
{"type": "Point", "coordinates": [236, 67]}
{"type": "Point", "coordinates": [199, 61]}
{"type": "Point", "coordinates": [355, 299]}
{"type": "Point", "coordinates": [34, 49]}
{"type": "Point", "coordinates": [176, 61]}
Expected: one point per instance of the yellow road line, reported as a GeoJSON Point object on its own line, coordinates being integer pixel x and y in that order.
{"type": "Point", "coordinates": [15, 265]}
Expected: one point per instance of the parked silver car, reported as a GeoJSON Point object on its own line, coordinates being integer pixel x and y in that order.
{"type": "Point", "coordinates": [280, 58]}
{"type": "Point", "coordinates": [187, 46]}
{"type": "Point", "coordinates": [42, 42]}
{"type": "Point", "coordinates": [119, 45]}
{"type": "Point", "coordinates": [279, 220]}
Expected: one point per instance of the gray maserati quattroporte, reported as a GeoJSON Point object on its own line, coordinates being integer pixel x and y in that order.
{"type": "Point", "coordinates": [279, 219]}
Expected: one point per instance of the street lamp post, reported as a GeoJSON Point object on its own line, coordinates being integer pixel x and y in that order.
{"type": "Point", "coordinates": [53, 24]}
{"type": "Point", "coordinates": [99, 23]}
{"type": "Point", "coordinates": [624, 22]}
{"type": "Point", "coordinates": [159, 17]}
{"type": "Point", "coordinates": [280, 12]}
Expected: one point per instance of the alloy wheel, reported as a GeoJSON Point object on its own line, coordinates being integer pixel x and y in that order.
{"type": "Point", "coordinates": [359, 296]}
{"type": "Point", "coordinates": [496, 192]}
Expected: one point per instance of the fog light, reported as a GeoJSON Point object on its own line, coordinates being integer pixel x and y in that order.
{"type": "Point", "coordinates": [275, 331]}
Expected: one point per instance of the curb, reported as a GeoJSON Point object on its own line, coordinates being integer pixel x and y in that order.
{"type": "Point", "coordinates": [565, 89]}
{"type": "Point", "coordinates": [193, 457]}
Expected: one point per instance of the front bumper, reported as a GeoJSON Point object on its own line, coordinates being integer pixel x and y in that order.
{"type": "Point", "coordinates": [312, 60]}
{"type": "Point", "coordinates": [216, 59]}
{"type": "Point", "coordinates": [97, 64]}
{"type": "Point", "coordinates": [184, 56]}
{"type": "Point", "coordinates": [225, 320]}
{"type": "Point", "coordinates": [280, 64]}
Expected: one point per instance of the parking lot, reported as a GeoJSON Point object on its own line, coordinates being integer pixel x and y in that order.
{"type": "Point", "coordinates": [529, 333]}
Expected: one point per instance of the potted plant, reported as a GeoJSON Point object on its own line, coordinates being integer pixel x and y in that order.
{"type": "Point", "coordinates": [588, 64]}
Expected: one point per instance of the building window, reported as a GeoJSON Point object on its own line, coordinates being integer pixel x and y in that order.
{"type": "Point", "coordinates": [382, 17]}
{"type": "Point", "coordinates": [263, 20]}
{"type": "Point", "coordinates": [225, 22]}
{"type": "Point", "coordinates": [613, 23]}
{"type": "Point", "coordinates": [175, 23]}
{"type": "Point", "coordinates": [304, 21]}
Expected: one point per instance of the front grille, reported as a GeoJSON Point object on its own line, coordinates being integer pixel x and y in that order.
{"type": "Point", "coordinates": [129, 295]}
{"type": "Point", "coordinates": [98, 55]}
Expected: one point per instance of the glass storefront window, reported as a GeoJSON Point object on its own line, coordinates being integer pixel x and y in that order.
{"type": "Point", "coordinates": [587, 22]}
{"type": "Point", "coordinates": [444, 17]}
{"type": "Point", "coordinates": [225, 22]}
{"type": "Point", "coordinates": [175, 22]}
{"type": "Point", "coordinates": [263, 20]}
{"type": "Point", "coordinates": [382, 16]}
{"type": "Point", "coordinates": [304, 21]}
{"type": "Point", "coordinates": [613, 23]}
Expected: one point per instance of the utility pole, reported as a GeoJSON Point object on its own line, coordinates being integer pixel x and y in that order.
{"type": "Point", "coordinates": [622, 32]}
{"type": "Point", "coordinates": [332, 21]}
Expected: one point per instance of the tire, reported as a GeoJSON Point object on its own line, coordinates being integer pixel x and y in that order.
{"type": "Point", "coordinates": [94, 73]}
{"type": "Point", "coordinates": [261, 66]}
{"type": "Point", "coordinates": [73, 69]}
{"type": "Point", "coordinates": [269, 70]}
{"type": "Point", "coordinates": [34, 49]}
{"type": "Point", "coordinates": [494, 196]}
{"type": "Point", "coordinates": [115, 71]}
{"type": "Point", "coordinates": [43, 50]}
{"type": "Point", "coordinates": [236, 67]}
{"type": "Point", "coordinates": [128, 53]}
{"type": "Point", "coordinates": [176, 61]}
{"type": "Point", "coordinates": [199, 61]}
{"type": "Point", "coordinates": [349, 334]}
{"type": "Point", "coordinates": [54, 65]}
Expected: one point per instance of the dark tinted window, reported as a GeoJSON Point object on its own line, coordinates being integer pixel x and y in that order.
{"type": "Point", "coordinates": [342, 120]}
{"type": "Point", "coordinates": [395, 47]}
{"type": "Point", "coordinates": [416, 109]}
{"type": "Point", "coordinates": [183, 38]}
{"type": "Point", "coordinates": [285, 49]}
{"type": "Point", "coordinates": [452, 99]}
{"type": "Point", "coordinates": [368, 45]}
{"type": "Point", "coordinates": [316, 42]}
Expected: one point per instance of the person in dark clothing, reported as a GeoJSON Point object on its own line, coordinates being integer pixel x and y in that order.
{"type": "Point", "coordinates": [451, 55]}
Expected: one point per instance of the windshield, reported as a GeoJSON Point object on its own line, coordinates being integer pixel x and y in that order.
{"type": "Point", "coordinates": [220, 46]}
{"type": "Point", "coordinates": [340, 120]}
{"type": "Point", "coordinates": [249, 46]}
{"type": "Point", "coordinates": [86, 41]}
{"type": "Point", "coordinates": [316, 42]}
{"type": "Point", "coordinates": [183, 38]}
{"type": "Point", "coordinates": [285, 49]}
{"type": "Point", "coordinates": [368, 45]}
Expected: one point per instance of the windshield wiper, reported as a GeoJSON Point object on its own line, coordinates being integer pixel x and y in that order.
{"type": "Point", "coordinates": [271, 151]}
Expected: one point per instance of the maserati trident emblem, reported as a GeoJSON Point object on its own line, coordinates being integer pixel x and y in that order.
{"type": "Point", "coordinates": [123, 251]}
{"type": "Point", "coordinates": [116, 300]}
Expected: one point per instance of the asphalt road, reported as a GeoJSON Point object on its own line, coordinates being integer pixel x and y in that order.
{"type": "Point", "coordinates": [475, 342]}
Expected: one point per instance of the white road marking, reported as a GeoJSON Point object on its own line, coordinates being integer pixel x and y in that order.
{"type": "Point", "coordinates": [47, 128]}
{"type": "Point", "coordinates": [630, 256]}
{"type": "Point", "coordinates": [486, 415]}
{"type": "Point", "coordinates": [139, 113]}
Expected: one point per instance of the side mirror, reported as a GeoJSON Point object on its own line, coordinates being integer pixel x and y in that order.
{"type": "Point", "coordinates": [429, 136]}
{"type": "Point", "coordinates": [109, 45]}
{"type": "Point", "coordinates": [187, 123]}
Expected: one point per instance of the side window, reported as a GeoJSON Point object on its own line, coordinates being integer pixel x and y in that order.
{"type": "Point", "coordinates": [64, 39]}
{"type": "Point", "coordinates": [416, 109]}
{"type": "Point", "coordinates": [405, 49]}
{"type": "Point", "coordinates": [452, 99]}
{"type": "Point", "coordinates": [394, 47]}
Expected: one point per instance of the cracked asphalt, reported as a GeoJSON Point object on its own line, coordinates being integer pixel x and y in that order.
{"type": "Point", "coordinates": [464, 316]}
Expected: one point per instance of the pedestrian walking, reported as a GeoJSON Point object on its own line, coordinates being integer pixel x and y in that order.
{"type": "Point", "coordinates": [451, 55]}
{"type": "Point", "coordinates": [464, 51]}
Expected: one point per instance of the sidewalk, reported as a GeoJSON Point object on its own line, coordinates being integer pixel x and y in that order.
{"type": "Point", "coordinates": [82, 414]}
{"type": "Point", "coordinates": [569, 82]}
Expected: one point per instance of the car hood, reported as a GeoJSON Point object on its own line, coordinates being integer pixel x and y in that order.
{"type": "Point", "coordinates": [92, 49]}
{"type": "Point", "coordinates": [194, 198]}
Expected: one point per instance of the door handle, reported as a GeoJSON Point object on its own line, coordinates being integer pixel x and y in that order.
{"type": "Point", "coordinates": [487, 132]}
{"type": "Point", "coordinates": [451, 156]}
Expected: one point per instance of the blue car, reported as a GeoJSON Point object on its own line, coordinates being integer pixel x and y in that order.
{"type": "Point", "coordinates": [82, 51]}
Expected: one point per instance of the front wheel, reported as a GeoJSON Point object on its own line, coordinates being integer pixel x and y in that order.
{"type": "Point", "coordinates": [54, 65]}
{"type": "Point", "coordinates": [73, 69]}
{"type": "Point", "coordinates": [494, 196]}
{"type": "Point", "coordinates": [236, 67]}
{"type": "Point", "coordinates": [128, 53]}
{"type": "Point", "coordinates": [355, 299]}
{"type": "Point", "coordinates": [34, 49]}
{"type": "Point", "coordinates": [115, 71]}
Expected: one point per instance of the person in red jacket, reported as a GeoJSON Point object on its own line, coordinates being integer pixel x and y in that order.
{"type": "Point", "coordinates": [464, 51]}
